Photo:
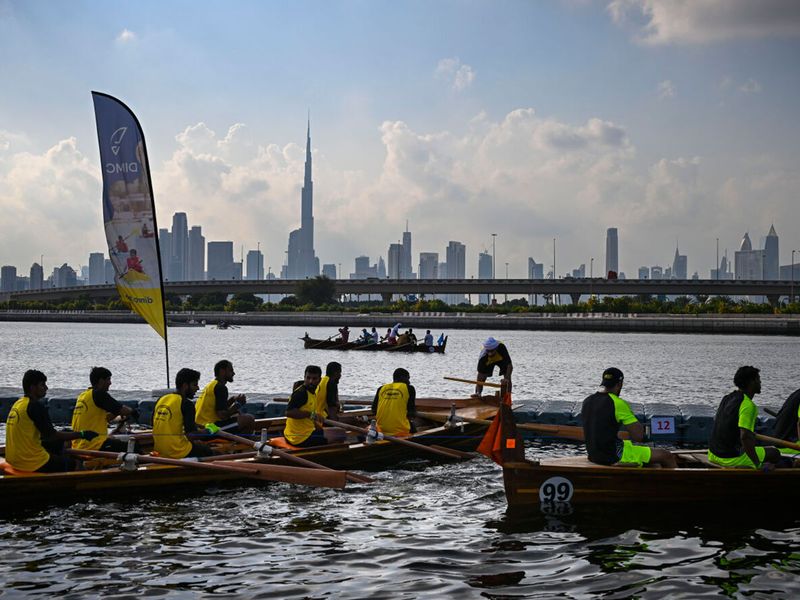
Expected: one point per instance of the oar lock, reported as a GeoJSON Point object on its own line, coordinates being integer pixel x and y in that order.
{"type": "Point", "coordinates": [454, 420]}
{"type": "Point", "coordinates": [263, 448]}
{"type": "Point", "coordinates": [128, 461]}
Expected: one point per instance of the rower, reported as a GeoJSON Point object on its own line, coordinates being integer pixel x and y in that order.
{"type": "Point", "coordinates": [374, 337]}
{"type": "Point", "coordinates": [494, 353]}
{"type": "Point", "coordinates": [733, 441]}
{"type": "Point", "coordinates": [174, 425]}
{"type": "Point", "coordinates": [32, 443]}
{"type": "Point", "coordinates": [428, 340]}
{"type": "Point", "coordinates": [344, 334]}
{"type": "Point", "coordinates": [327, 392]}
{"type": "Point", "coordinates": [303, 423]}
{"type": "Point", "coordinates": [94, 408]}
{"type": "Point", "coordinates": [602, 414]}
{"type": "Point", "coordinates": [787, 423]}
{"type": "Point", "coordinates": [394, 405]}
{"type": "Point", "coordinates": [216, 406]}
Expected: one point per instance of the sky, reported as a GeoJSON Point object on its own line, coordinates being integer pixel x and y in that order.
{"type": "Point", "coordinates": [675, 122]}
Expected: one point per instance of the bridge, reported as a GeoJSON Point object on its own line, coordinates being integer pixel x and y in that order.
{"type": "Point", "coordinates": [572, 287]}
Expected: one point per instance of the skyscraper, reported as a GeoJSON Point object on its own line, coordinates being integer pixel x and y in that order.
{"type": "Point", "coordinates": [484, 272]}
{"type": "Point", "coordinates": [180, 247]}
{"type": "Point", "coordinates": [197, 255]}
{"type": "Point", "coordinates": [456, 258]}
{"type": "Point", "coordinates": [680, 265]}
{"type": "Point", "coordinates": [36, 276]}
{"type": "Point", "coordinates": [406, 272]}
{"type": "Point", "coordinates": [535, 270]}
{"type": "Point", "coordinates": [748, 263]}
{"type": "Point", "coordinates": [612, 251]}
{"type": "Point", "coordinates": [165, 252]}
{"type": "Point", "coordinates": [428, 265]}
{"type": "Point", "coordinates": [8, 278]}
{"type": "Point", "coordinates": [772, 256]}
{"type": "Point", "coordinates": [329, 271]}
{"type": "Point", "coordinates": [97, 268]}
{"type": "Point", "coordinates": [220, 260]}
{"type": "Point", "coordinates": [301, 261]}
{"type": "Point", "coordinates": [395, 261]}
{"type": "Point", "coordinates": [255, 265]}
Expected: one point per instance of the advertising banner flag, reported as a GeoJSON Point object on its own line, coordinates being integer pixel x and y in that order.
{"type": "Point", "coordinates": [129, 211]}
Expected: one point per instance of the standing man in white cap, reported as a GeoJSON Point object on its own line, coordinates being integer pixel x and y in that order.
{"type": "Point", "coordinates": [494, 354]}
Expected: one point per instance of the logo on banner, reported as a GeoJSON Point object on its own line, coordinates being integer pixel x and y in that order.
{"type": "Point", "coordinates": [116, 145]}
{"type": "Point", "coordinates": [116, 139]}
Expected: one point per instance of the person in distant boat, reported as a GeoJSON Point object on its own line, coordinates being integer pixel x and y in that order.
{"type": "Point", "coordinates": [733, 441]}
{"type": "Point", "coordinates": [327, 392]}
{"type": "Point", "coordinates": [374, 337]}
{"type": "Point", "coordinates": [174, 427]}
{"type": "Point", "coordinates": [364, 338]}
{"type": "Point", "coordinates": [388, 338]}
{"type": "Point", "coordinates": [134, 263]}
{"type": "Point", "coordinates": [440, 341]}
{"type": "Point", "coordinates": [217, 406]}
{"type": "Point", "coordinates": [344, 334]}
{"type": "Point", "coordinates": [121, 245]}
{"type": "Point", "coordinates": [602, 414]}
{"type": "Point", "coordinates": [494, 354]}
{"type": "Point", "coordinates": [303, 423]}
{"type": "Point", "coordinates": [146, 233]}
{"type": "Point", "coordinates": [428, 340]}
{"type": "Point", "coordinates": [394, 405]}
{"type": "Point", "coordinates": [403, 339]}
{"type": "Point", "coordinates": [787, 423]}
{"type": "Point", "coordinates": [32, 443]}
{"type": "Point", "coordinates": [94, 409]}
{"type": "Point", "coordinates": [412, 339]}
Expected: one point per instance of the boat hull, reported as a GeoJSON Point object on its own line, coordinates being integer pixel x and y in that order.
{"type": "Point", "coordinates": [313, 344]}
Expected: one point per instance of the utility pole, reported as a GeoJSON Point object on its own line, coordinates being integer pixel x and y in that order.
{"type": "Point", "coordinates": [494, 236]}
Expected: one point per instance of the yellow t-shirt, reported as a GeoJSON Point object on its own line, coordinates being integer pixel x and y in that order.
{"type": "Point", "coordinates": [392, 413]}
{"type": "Point", "coordinates": [169, 433]}
{"type": "Point", "coordinates": [24, 450]}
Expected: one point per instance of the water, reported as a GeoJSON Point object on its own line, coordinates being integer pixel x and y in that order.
{"type": "Point", "coordinates": [422, 530]}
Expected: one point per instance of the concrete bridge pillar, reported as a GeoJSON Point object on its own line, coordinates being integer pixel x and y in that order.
{"type": "Point", "coordinates": [386, 297]}
{"type": "Point", "coordinates": [773, 299]}
{"type": "Point", "coordinates": [575, 298]}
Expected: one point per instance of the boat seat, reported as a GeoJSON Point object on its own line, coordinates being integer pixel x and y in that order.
{"type": "Point", "coordinates": [282, 443]}
{"type": "Point", "coordinates": [7, 469]}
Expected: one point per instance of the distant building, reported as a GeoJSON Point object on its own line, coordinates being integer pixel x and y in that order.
{"type": "Point", "coordinates": [771, 256]}
{"type": "Point", "coordinates": [64, 276]}
{"type": "Point", "coordinates": [165, 250]}
{"type": "Point", "coordinates": [8, 279]}
{"type": "Point", "coordinates": [680, 265]}
{"type": "Point", "coordinates": [197, 255]}
{"type": "Point", "coordinates": [748, 263]}
{"type": "Point", "coordinates": [429, 265]}
{"type": "Point", "coordinates": [484, 272]}
{"type": "Point", "coordinates": [612, 250]}
{"type": "Point", "coordinates": [656, 273]}
{"type": "Point", "coordinates": [362, 269]}
{"type": "Point", "coordinates": [108, 271]}
{"type": "Point", "coordinates": [380, 268]}
{"type": "Point", "coordinates": [301, 261]}
{"type": "Point", "coordinates": [395, 261]}
{"type": "Point", "coordinates": [236, 270]}
{"type": "Point", "coordinates": [644, 273]}
{"type": "Point", "coordinates": [580, 272]}
{"type": "Point", "coordinates": [535, 270]}
{"type": "Point", "coordinates": [456, 259]}
{"type": "Point", "coordinates": [406, 271]}
{"type": "Point", "coordinates": [36, 277]}
{"type": "Point", "coordinates": [180, 247]}
{"type": "Point", "coordinates": [97, 266]}
{"type": "Point", "coordinates": [723, 273]}
{"type": "Point", "coordinates": [220, 260]}
{"type": "Point", "coordinates": [329, 271]}
{"type": "Point", "coordinates": [255, 265]}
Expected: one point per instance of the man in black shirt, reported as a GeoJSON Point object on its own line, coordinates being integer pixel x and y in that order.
{"type": "Point", "coordinates": [494, 354]}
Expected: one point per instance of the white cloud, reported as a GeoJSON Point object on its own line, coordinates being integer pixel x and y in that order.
{"type": "Point", "coordinates": [126, 36]}
{"type": "Point", "coordinates": [666, 89]}
{"type": "Point", "coordinates": [459, 76]}
{"type": "Point", "coordinates": [705, 21]}
{"type": "Point", "coordinates": [751, 86]}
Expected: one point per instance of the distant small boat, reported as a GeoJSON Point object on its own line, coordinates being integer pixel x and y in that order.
{"type": "Point", "coordinates": [313, 344]}
{"type": "Point", "coordinates": [189, 323]}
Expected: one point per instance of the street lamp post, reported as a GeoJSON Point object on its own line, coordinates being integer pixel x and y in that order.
{"type": "Point", "coordinates": [506, 300]}
{"type": "Point", "coordinates": [717, 265]}
{"type": "Point", "coordinates": [791, 287]}
{"type": "Point", "coordinates": [494, 237]}
{"type": "Point", "coordinates": [591, 277]}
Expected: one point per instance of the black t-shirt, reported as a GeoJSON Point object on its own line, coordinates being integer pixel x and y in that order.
{"type": "Point", "coordinates": [332, 393]}
{"type": "Point", "coordinates": [220, 396]}
{"type": "Point", "coordinates": [502, 360]}
{"type": "Point", "coordinates": [188, 412]}
{"type": "Point", "coordinates": [725, 440]}
{"type": "Point", "coordinates": [786, 421]}
{"type": "Point", "coordinates": [105, 401]}
{"type": "Point", "coordinates": [600, 428]}
{"type": "Point", "coordinates": [37, 412]}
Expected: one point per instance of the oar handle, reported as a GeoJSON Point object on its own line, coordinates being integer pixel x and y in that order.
{"type": "Point", "coordinates": [778, 442]}
{"type": "Point", "coordinates": [472, 382]}
{"type": "Point", "coordinates": [396, 440]}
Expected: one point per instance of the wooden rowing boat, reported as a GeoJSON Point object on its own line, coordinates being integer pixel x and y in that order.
{"type": "Point", "coordinates": [577, 481]}
{"type": "Point", "coordinates": [310, 343]}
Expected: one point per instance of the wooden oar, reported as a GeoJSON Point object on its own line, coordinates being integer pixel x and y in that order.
{"type": "Point", "coordinates": [483, 383]}
{"type": "Point", "coordinates": [572, 432]}
{"type": "Point", "coordinates": [335, 479]}
{"type": "Point", "coordinates": [778, 442]}
{"type": "Point", "coordinates": [292, 458]}
{"type": "Point", "coordinates": [398, 440]}
{"type": "Point", "coordinates": [281, 420]}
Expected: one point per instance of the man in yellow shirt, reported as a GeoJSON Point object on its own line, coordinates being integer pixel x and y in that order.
{"type": "Point", "coordinates": [94, 409]}
{"type": "Point", "coordinates": [394, 405]}
{"type": "Point", "coordinates": [29, 429]}
{"type": "Point", "coordinates": [215, 405]}
{"type": "Point", "coordinates": [174, 427]}
{"type": "Point", "coordinates": [304, 417]}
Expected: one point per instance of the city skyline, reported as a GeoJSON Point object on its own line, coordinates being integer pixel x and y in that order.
{"type": "Point", "coordinates": [655, 123]}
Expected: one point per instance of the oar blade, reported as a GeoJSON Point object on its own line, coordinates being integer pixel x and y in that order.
{"type": "Point", "coordinates": [295, 475]}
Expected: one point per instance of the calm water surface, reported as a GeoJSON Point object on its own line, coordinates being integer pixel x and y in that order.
{"type": "Point", "coordinates": [422, 530]}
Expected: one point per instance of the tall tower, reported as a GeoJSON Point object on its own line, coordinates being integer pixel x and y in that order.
{"type": "Point", "coordinates": [301, 261]}
{"type": "Point", "coordinates": [612, 250]}
{"type": "Point", "coordinates": [772, 258]}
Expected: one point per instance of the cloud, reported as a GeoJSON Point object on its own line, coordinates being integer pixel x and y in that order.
{"type": "Point", "coordinates": [751, 86]}
{"type": "Point", "coordinates": [666, 89]}
{"type": "Point", "coordinates": [126, 36]}
{"type": "Point", "coordinates": [459, 76]}
{"type": "Point", "coordinates": [706, 21]}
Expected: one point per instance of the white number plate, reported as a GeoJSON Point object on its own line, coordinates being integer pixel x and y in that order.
{"type": "Point", "coordinates": [556, 489]}
{"type": "Point", "coordinates": [662, 425]}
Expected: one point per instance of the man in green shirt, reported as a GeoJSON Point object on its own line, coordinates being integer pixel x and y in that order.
{"type": "Point", "coordinates": [733, 440]}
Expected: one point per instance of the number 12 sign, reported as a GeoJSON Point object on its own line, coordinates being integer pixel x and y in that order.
{"type": "Point", "coordinates": [662, 425]}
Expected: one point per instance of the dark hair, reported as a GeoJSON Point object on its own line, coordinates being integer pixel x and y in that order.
{"type": "Point", "coordinates": [333, 367]}
{"type": "Point", "coordinates": [98, 373]}
{"type": "Point", "coordinates": [400, 374]}
{"type": "Point", "coordinates": [186, 376]}
{"type": "Point", "coordinates": [745, 375]}
{"type": "Point", "coordinates": [31, 378]}
{"type": "Point", "coordinates": [223, 364]}
{"type": "Point", "coordinates": [313, 370]}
